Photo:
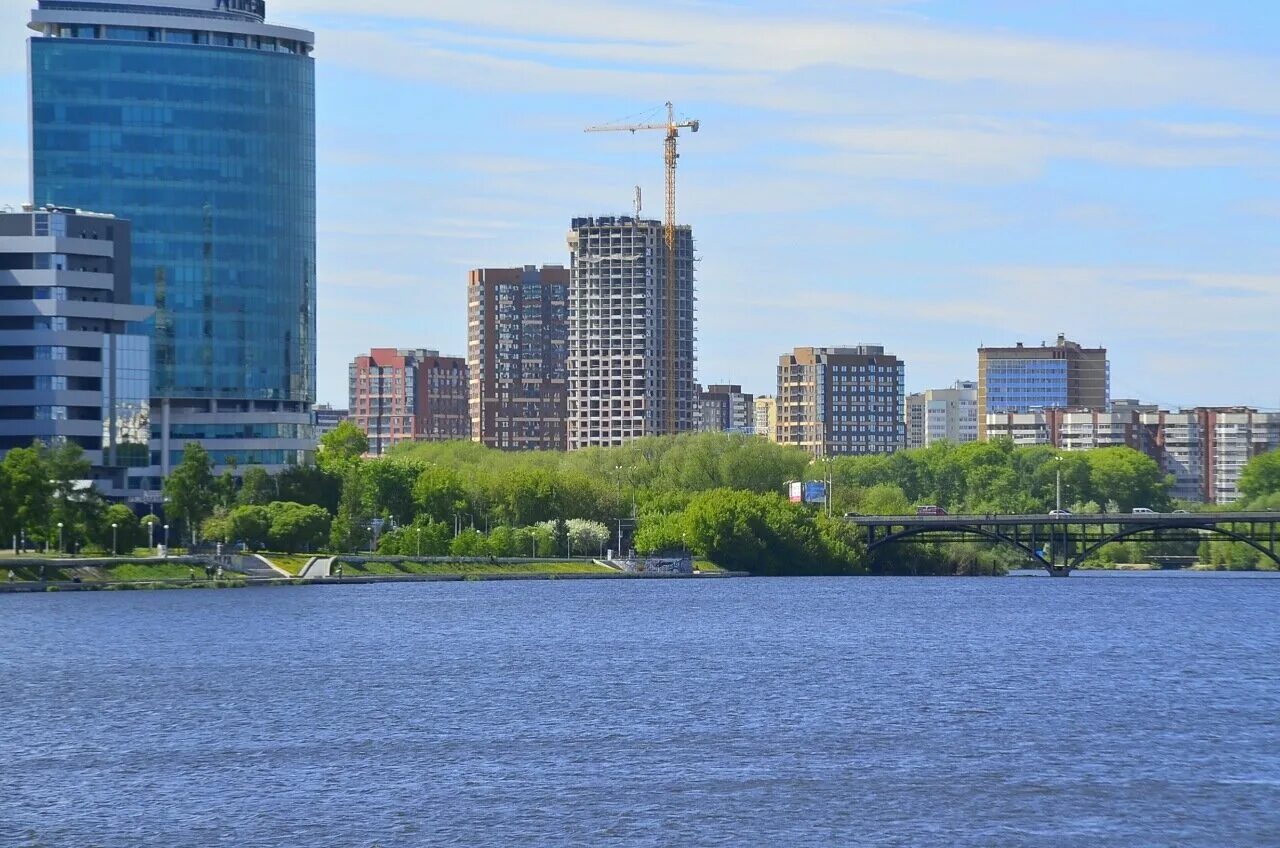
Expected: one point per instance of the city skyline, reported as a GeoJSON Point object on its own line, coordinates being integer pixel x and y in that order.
{"type": "Point", "coordinates": [923, 178]}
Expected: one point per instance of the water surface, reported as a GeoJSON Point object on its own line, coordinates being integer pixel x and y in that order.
{"type": "Point", "coordinates": [870, 712]}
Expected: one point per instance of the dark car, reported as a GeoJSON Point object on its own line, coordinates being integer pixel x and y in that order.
{"type": "Point", "coordinates": [930, 511]}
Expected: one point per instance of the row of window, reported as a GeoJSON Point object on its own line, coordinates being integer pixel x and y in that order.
{"type": "Point", "coordinates": [182, 36]}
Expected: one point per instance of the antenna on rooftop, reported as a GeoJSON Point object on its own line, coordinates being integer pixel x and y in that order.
{"type": "Point", "coordinates": [639, 204]}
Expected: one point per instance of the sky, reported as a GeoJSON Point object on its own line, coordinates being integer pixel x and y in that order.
{"type": "Point", "coordinates": [931, 176]}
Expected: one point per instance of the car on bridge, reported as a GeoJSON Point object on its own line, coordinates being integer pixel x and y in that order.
{"type": "Point", "coordinates": [1142, 510]}
{"type": "Point", "coordinates": [930, 511]}
{"type": "Point", "coordinates": [1059, 513]}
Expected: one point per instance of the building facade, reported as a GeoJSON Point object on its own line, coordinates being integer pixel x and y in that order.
{"type": "Point", "coordinates": [72, 371]}
{"type": "Point", "coordinates": [517, 348]}
{"type": "Point", "coordinates": [1019, 379]}
{"type": "Point", "coordinates": [629, 377]}
{"type": "Point", "coordinates": [416, 395]}
{"type": "Point", "coordinates": [724, 408]}
{"type": "Point", "coordinates": [195, 120]}
{"type": "Point", "coordinates": [1203, 450]}
{"type": "Point", "coordinates": [943, 415]}
{"type": "Point", "coordinates": [1206, 449]}
{"type": "Point", "coordinates": [766, 417]}
{"type": "Point", "coordinates": [841, 401]}
{"type": "Point", "coordinates": [328, 419]}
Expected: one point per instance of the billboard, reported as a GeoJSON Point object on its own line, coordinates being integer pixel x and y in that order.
{"type": "Point", "coordinates": [815, 492]}
{"type": "Point", "coordinates": [797, 492]}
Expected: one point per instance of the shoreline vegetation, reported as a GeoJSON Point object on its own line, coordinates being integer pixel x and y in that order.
{"type": "Point", "coordinates": [713, 496]}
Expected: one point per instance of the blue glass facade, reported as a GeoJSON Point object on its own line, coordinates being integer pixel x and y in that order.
{"type": "Point", "coordinates": [209, 148]}
{"type": "Point", "coordinates": [1021, 385]}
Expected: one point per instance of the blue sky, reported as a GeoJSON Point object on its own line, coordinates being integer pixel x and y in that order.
{"type": "Point", "coordinates": [925, 175]}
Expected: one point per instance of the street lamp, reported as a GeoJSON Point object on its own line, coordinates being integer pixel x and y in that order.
{"type": "Point", "coordinates": [115, 539]}
{"type": "Point", "coordinates": [151, 535]}
{"type": "Point", "coordinates": [418, 531]}
{"type": "Point", "coordinates": [166, 540]}
{"type": "Point", "coordinates": [1058, 469]}
{"type": "Point", "coordinates": [59, 537]}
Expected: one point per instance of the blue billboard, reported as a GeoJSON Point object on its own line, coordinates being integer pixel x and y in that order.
{"type": "Point", "coordinates": [815, 491]}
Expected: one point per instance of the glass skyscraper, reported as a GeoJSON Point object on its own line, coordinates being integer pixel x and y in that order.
{"type": "Point", "coordinates": [195, 120]}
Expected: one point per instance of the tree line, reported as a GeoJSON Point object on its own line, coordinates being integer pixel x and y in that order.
{"type": "Point", "coordinates": [714, 495]}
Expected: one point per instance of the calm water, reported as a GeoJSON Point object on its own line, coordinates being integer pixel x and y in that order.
{"type": "Point", "coordinates": [892, 712]}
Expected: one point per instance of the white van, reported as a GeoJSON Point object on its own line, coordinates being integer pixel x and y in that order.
{"type": "Point", "coordinates": [1142, 510]}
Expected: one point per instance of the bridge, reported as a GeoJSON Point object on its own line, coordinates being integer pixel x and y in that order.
{"type": "Point", "coordinates": [1071, 540]}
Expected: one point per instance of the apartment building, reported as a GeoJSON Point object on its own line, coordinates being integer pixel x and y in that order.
{"type": "Point", "coordinates": [631, 346]}
{"type": "Point", "coordinates": [841, 401]}
{"type": "Point", "coordinates": [943, 415]}
{"type": "Point", "coordinates": [725, 408]}
{"type": "Point", "coordinates": [766, 417]}
{"type": "Point", "coordinates": [517, 356]}
{"type": "Point", "coordinates": [1020, 379]}
{"type": "Point", "coordinates": [1204, 450]}
{"type": "Point", "coordinates": [405, 395]}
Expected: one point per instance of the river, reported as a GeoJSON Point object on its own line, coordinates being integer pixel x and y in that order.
{"type": "Point", "coordinates": [772, 712]}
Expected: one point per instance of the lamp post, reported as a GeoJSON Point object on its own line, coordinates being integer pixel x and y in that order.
{"type": "Point", "coordinates": [151, 534]}
{"type": "Point", "coordinates": [1058, 469]}
{"type": "Point", "coordinates": [166, 540]}
{"type": "Point", "coordinates": [59, 537]}
{"type": "Point", "coordinates": [115, 539]}
{"type": "Point", "coordinates": [418, 532]}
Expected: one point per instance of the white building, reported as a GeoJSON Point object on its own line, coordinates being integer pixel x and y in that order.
{"type": "Point", "coordinates": [938, 415]}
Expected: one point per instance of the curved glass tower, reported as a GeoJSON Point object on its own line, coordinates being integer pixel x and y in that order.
{"type": "Point", "coordinates": [195, 120]}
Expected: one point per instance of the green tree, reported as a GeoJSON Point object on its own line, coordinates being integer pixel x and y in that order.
{"type": "Point", "coordinates": [341, 447]}
{"type": "Point", "coordinates": [1261, 477]}
{"type": "Point", "coordinates": [251, 525]}
{"type": "Point", "coordinates": [26, 471]}
{"type": "Point", "coordinates": [128, 531]}
{"type": "Point", "coordinates": [190, 488]}
{"type": "Point", "coordinates": [257, 487]}
{"type": "Point", "coordinates": [1129, 478]}
{"type": "Point", "coordinates": [295, 527]}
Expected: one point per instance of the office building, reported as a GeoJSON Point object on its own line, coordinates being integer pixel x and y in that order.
{"type": "Point", "coordinates": [409, 396]}
{"type": "Point", "coordinates": [943, 415]}
{"type": "Point", "coordinates": [72, 371]}
{"type": "Point", "coordinates": [724, 408]}
{"type": "Point", "coordinates": [839, 401]}
{"type": "Point", "coordinates": [766, 417]}
{"type": "Point", "coordinates": [195, 120]}
{"type": "Point", "coordinates": [1063, 376]}
{"type": "Point", "coordinates": [328, 419]}
{"type": "Point", "coordinates": [517, 346]}
{"type": "Point", "coordinates": [628, 375]}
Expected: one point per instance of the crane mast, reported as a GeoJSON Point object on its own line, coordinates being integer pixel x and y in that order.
{"type": "Point", "coordinates": [671, 319]}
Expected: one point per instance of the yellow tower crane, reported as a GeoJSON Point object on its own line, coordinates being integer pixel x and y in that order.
{"type": "Point", "coordinates": [671, 322]}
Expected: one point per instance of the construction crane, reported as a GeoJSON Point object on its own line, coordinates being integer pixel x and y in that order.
{"type": "Point", "coordinates": [671, 320]}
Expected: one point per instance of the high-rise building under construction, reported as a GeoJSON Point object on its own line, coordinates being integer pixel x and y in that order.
{"type": "Point", "coordinates": [631, 335]}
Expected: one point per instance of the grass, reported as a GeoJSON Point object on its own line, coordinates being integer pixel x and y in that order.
{"type": "Point", "coordinates": [706, 565]}
{"type": "Point", "coordinates": [478, 569]}
{"type": "Point", "coordinates": [292, 563]}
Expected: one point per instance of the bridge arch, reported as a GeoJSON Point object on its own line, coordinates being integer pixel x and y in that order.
{"type": "Point", "coordinates": [963, 530]}
{"type": "Point", "coordinates": [1129, 533]}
